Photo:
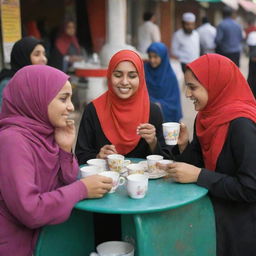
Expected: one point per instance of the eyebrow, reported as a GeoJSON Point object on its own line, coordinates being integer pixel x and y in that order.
{"type": "Point", "coordinates": [120, 71]}
{"type": "Point", "coordinates": [189, 84]}
{"type": "Point", "coordinates": [65, 94]}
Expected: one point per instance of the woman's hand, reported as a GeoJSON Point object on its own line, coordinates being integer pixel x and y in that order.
{"type": "Point", "coordinates": [148, 133]}
{"type": "Point", "coordinates": [65, 136]}
{"type": "Point", "coordinates": [183, 137]}
{"type": "Point", "coordinates": [182, 172]}
{"type": "Point", "coordinates": [97, 185]}
{"type": "Point", "coordinates": [106, 150]}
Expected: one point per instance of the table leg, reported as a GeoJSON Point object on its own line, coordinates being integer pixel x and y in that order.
{"type": "Point", "coordinates": [73, 237]}
{"type": "Point", "coordinates": [188, 231]}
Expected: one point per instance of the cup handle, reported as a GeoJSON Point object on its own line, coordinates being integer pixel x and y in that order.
{"type": "Point", "coordinates": [126, 162]}
{"type": "Point", "coordinates": [121, 181]}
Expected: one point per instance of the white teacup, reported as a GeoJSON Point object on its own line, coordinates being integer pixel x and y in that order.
{"type": "Point", "coordinates": [89, 170]}
{"type": "Point", "coordinates": [114, 248]}
{"type": "Point", "coordinates": [115, 176]}
{"type": "Point", "coordinates": [165, 162]}
{"type": "Point", "coordinates": [171, 132]}
{"type": "Point", "coordinates": [135, 168]}
{"type": "Point", "coordinates": [101, 163]}
{"type": "Point", "coordinates": [152, 161]}
{"type": "Point", "coordinates": [137, 185]}
{"type": "Point", "coordinates": [116, 162]}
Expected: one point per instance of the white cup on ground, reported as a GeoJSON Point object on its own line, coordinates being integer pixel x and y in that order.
{"type": "Point", "coordinates": [171, 131]}
{"type": "Point", "coordinates": [152, 161]}
{"type": "Point", "coordinates": [114, 248]}
{"type": "Point", "coordinates": [116, 162]}
{"type": "Point", "coordinates": [89, 170]}
{"type": "Point", "coordinates": [137, 185]}
{"type": "Point", "coordinates": [101, 163]}
{"type": "Point", "coordinates": [115, 176]}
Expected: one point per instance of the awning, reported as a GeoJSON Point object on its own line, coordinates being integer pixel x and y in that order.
{"type": "Point", "coordinates": [249, 6]}
{"type": "Point", "coordinates": [232, 3]}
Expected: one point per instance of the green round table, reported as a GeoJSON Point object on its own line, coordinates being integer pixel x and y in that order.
{"type": "Point", "coordinates": [171, 220]}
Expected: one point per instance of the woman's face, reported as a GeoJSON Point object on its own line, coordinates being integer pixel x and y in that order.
{"type": "Point", "coordinates": [70, 29]}
{"type": "Point", "coordinates": [195, 91]}
{"type": "Point", "coordinates": [37, 56]}
{"type": "Point", "coordinates": [61, 106]}
{"type": "Point", "coordinates": [154, 59]}
{"type": "Point", "coordinates": [125, 80]}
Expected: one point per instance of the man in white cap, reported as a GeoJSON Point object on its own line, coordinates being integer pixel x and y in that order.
{"type": "Point", "coordinates": [185, 43]}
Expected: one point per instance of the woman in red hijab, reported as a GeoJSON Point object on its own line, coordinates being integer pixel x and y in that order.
{"type": "Point", "coordinates": [66, 49]}
{"type": "Point", "coordinates": [221, 156]}
{"type": "Point", "coordinates": [122, 120]}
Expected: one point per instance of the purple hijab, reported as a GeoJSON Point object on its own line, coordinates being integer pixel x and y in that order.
{"type": "Point", "coordinates": [36, 176]}
{"type": "Point", "coordinates": [25, 106]}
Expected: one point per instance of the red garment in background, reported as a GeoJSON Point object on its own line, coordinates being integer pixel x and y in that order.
{"type": "Point", "coordinates": [229, 97]}
{"type": "Point", "coordinates": [64, 41]}
{"type": "Point", "coordinates": [119, 118]}
{"type": "Point", "coordinates": [32, 30]}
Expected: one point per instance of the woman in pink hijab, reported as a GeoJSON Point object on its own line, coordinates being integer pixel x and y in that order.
{"type": "Point", "coordinates": [38, 172]}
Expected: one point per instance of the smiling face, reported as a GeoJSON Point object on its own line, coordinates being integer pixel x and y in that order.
{"type": "Point", "coordinates": [37, 56]}
{"type": "Point", "coordinates": [61, 106]}
{"type": "Point", "coordinates": [125, 80]}
{"type": "Point", "coordinates": [154, 59]}
{"type": "Point", "coordinates": [195, 91]}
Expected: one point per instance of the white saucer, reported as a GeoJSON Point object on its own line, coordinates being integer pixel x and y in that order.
{"type": "Point", "coordinates": [157, 174]}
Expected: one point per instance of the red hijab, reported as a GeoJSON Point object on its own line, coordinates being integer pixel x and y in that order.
{"type": "Point", "coordinates": [119, 118]}
{"type": "Point", "coordinates": [64, 41]}
{"type": "Point", "coordinates": [229, 97]}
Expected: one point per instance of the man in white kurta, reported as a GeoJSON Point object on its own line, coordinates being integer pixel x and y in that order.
{"type": "Point", "coordinates": [185, 43]}
{"type": "Point", "coordinates": [207, 34]}
{"type": "Point", "coordinates": [148, 33]}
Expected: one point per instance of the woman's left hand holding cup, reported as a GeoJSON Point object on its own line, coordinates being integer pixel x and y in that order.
{"type": "Point", "coordinates": [65, 136]}
{"type": "Point", "coordinates": [148, 133]}
{"type": "Point", "coordinates": [182, 172]}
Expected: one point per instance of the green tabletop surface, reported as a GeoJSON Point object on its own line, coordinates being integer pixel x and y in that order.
{"type": "Point", "coordinates": [163, 194]}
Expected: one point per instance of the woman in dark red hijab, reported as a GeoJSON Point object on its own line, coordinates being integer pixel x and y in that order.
{"type": "Point", "coordinates": [122, 120]}
{"type": "Point", "coordinates": [66, 49]}
{"type": "Point", "coordinates": [221, 156]}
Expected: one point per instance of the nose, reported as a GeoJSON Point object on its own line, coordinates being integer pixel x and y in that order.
{"type": "Point", "coordinates": [187, 92]}
{"type": "Point", "coordinates": [125, 80]}
{"type": "Point", "coordinates": [43, 59]}
{"type": "Point", "coordinates": [70, 106]}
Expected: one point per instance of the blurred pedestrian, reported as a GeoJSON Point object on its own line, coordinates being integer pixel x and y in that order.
{"type": "Point", "coordinates": [185, 43]}
{"type": "Point", "coordinates": [207, 34]}
{"type": "Point", "coordinates": [251, 42]}
{"type": "Point", "coordinates": [148, 32]}
{"type": "Point", "coordinates": [66, 49]}
{"type": "Point", "coordinates": [162, 83]}
{"type": "Point", "coordinates": [25, 51]}
{"type": "Point", "coordinates": [229, 36]}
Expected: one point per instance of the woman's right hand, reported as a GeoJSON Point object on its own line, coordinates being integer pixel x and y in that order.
{"type": "Point", "coordinates": [97, 185]}
{"type": "Point", "coordinates": [183, 137]}
{"type": "Point", "coordinates": [106, 150]}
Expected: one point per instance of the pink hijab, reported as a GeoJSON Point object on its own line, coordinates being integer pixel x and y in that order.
{"type": "Point", "coordinates": [25, 108]}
